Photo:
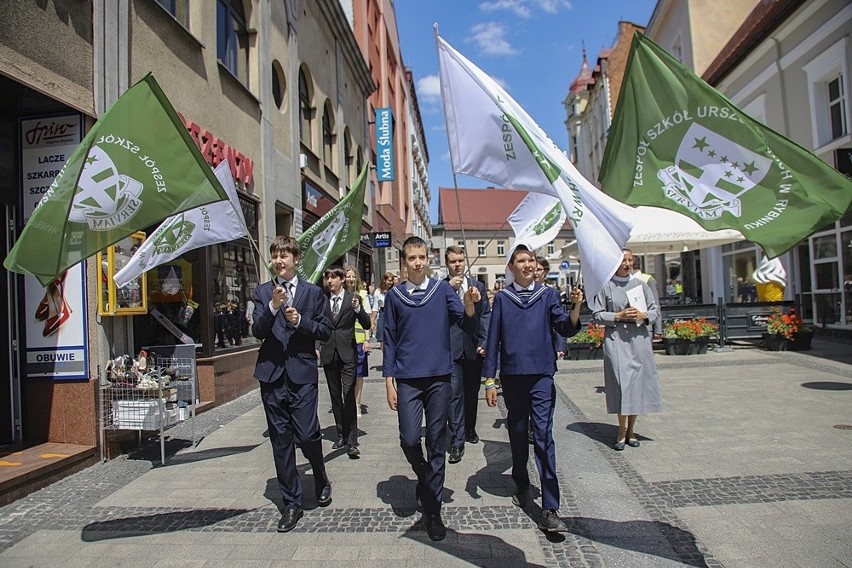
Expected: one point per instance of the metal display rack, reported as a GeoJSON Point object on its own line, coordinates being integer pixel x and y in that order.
{"type": "Point", "coordinates": [153, 403]}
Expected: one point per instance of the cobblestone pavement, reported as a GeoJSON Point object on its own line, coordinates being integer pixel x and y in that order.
{"type": "Point", "coordinates": [744, 468]}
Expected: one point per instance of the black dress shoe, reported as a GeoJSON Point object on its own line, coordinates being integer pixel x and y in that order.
{"type": "Point", "coordinates": [324, 495]}
{"type": "Point", "coordinates": [456, 454]}
{"type": "Point", "coordinates": [633, 442]}
{"type": "Point", "coordinates": [521, 498]}
{"type": "Point", "coordinates": [290, 518]}
{"type": "Point", "coordinates": [338, 444]}
{"type": "Point", "coordinates": [618, 446]}
{"type": "Point", "coordinates": [353, 452]}
{"type": "Point", "coordinates": [435, 527]}
{"type": "Point", "coordinates": [418, 495]}
{"type": "Point", "coordinates": [471, 437]}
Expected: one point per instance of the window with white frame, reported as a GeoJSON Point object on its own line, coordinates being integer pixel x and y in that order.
{"type": "Point", "coordinates": [480, 248]}
{"type": "Point", "coordinates": [460, 243]}
{"type": "Point", "coordinates": [501, 248]}
{"type": "Point", "coordinates": [828, 94]}
{"type": "Point", "coordinates": [551, 249]}
{"type": "Point", "coordinates": [836, 108]}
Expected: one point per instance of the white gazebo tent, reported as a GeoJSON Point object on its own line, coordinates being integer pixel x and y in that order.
{"type": "Point", "coordinates": [662, 231]}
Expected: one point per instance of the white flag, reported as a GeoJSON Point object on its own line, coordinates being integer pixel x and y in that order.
{"type": "Point", "coordinates": [493, 138]}
{"type": "Point", "coordinates": [217, 222]}
{"type": "Point", "coordinates": [537, 219]}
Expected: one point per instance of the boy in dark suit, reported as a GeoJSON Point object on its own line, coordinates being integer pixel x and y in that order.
{"type": "Point", "coordinates": [468, 349]}
{"type": "Point", "coordinates": [290, 317]}
{"type": "Point", "coordinates": [417, 368]}
{"type": "Point", "coordinates": [338, 356]}
{"type": "Point", "coordinates": [525, 318]}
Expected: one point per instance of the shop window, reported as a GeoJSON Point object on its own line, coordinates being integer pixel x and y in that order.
{"type": "Point", "coordinates": [179, 9]}
{"type": "Point", "coordinates": [232, 38]}
{"type": "Point", "coordinates": [235, 276]}
{"type": "Point", "coordinates": [825, 247]}
{"type": "Point", "coordinates": [174, 307]}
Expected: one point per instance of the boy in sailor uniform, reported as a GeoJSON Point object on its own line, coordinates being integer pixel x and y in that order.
{"type": "Point", "coordinates": [525, 318]}
{"type": "Point", "coordinates": [418, 363]}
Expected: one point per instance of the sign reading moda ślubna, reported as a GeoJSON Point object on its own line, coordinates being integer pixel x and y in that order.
{"type": "Point", "coordinates": [384, 144]}
{"type": "Point", "coordinates": [55, 317]}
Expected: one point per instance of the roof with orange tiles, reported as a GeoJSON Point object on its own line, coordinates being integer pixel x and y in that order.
{"type": "Point", "coordinates": [481, 209]}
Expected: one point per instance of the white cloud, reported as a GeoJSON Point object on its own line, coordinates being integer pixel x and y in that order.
{"type": "Point", "coordinates": [519, 7]}
{"type": "Point", "coordinates": [429, 89]}
{"type": "Point", "coordinates": [489, 37]}
{"type": "Point", "coordinates": [525, 8]}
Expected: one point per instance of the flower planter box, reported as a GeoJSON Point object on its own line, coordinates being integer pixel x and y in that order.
{"type": "Point", "coordinates": [775, 342]}
{"type": "Point", "coordinates": [676, 346]}
{"type": "Point", "coordinates": [801, 341]}
{"type": "Point", "coordinates": [583, 351]}
{"type": "Point", "coordinates": [699, 346]}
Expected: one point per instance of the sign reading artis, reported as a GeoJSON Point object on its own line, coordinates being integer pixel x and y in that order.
{"type": "Point", "coordinates": [381, 240]}
{"type": "Point", "coordinates": [215, 150]}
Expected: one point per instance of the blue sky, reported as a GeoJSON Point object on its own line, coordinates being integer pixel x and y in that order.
{"type": "Point", "coordinates": [534, 48]}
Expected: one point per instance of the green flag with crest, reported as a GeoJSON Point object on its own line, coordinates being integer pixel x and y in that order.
{"type": "Point", "coordinates": [334, 234]}
{"type": "Point", "coordinates": [677, 143]}
{"type": "Point", "coordinates": [135, 167]}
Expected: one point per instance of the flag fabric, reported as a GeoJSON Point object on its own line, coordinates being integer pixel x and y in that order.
{"type": "Point", "coordinates": [217, 222]}
{"type": "Point", "coordinates": [678, 143]}
{"type": "Point", "coordinates": [334, 234]}
{"type": "Point", "coordinates": [537, 219]}
{"type": "Point", "coordinates": [493, 138]}
{"type": "Point", "coordinates": [135, 167]}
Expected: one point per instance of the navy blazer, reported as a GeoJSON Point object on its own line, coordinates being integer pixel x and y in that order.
{"type": "Point", "coordinates": [286, 347]}
{"type": "Point", "coordinates": [342, 337]}
{"type": "Point", "coordinates": [463, 344]}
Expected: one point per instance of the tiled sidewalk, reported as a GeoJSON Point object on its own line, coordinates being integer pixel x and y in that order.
{"type": "Point", "coordinates": [744, 468]}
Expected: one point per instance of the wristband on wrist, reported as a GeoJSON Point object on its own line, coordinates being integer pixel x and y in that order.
{"type": "Point", "coordinates": [489, 384]}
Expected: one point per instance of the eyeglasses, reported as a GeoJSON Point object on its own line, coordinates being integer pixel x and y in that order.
{"type": "Point", "coordinates": [539, 270]}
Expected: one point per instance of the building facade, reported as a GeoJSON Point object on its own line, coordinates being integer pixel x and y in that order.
{"type": "Point", "coordinates": [397, 146]}
{"type": "Point", "coordinates": [487, 237]}
{"type": "Point", "coordinates": [788, 66]}
{"type": "Point", "coordinates": [280, 89]}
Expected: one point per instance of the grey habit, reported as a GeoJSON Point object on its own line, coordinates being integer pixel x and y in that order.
{"type": "Point", "coordinates": [630, 374]}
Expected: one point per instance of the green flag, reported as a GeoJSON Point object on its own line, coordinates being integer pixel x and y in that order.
{"type": "Point", "coordinates": [335, 233]}
{"type": "Point", "coordinates": [135, 167]}
{"type": "Point", "coordinates": [677, 143]}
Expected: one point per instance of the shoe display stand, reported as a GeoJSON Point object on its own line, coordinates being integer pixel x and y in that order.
{"type": "Point", "coordinates": [165, 395]}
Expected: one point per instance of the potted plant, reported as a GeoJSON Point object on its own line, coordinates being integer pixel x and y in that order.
{"type": "Point", "coordinates": [787, 331]}
{"type": "Point", "coordinates": [588, 340]}
{"type": "Point", "coordinates": [682, 337]}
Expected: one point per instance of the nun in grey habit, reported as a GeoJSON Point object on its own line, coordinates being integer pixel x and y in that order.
{"type": "Point", "coordinates": [630, 374]}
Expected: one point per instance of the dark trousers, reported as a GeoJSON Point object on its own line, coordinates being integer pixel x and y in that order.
{"type": "Point", "coordinates": [532, 396]}
{"type": "Point", "coordinates": [414, 397]}
{"type": "Point", "coordinates": [291, 415]}
{"type": "Point", "coordinates": [340, 377]}
{"type": "Point", "coordinates": [465, 381]}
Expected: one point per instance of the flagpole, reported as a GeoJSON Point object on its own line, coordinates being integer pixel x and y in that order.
{"type": "Point", "coordinates": [455, 182]}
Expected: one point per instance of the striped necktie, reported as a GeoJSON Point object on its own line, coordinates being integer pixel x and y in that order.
{"type": "Point", "coordinates": [335, 308]}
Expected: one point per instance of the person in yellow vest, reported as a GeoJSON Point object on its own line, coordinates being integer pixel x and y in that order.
{"type": "Point", "coordinates": [636, 272]}
{"type": "Point", "coordinates": [353, 284]}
